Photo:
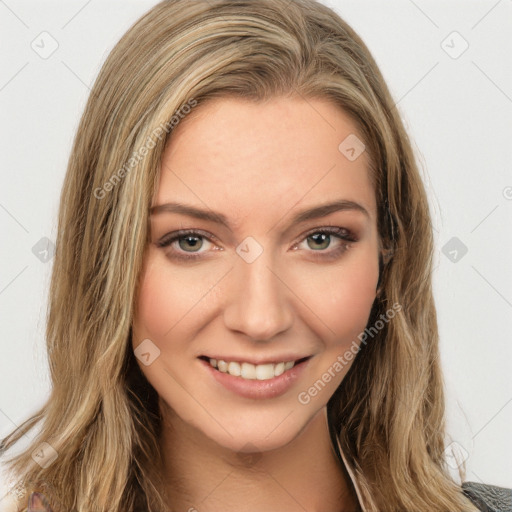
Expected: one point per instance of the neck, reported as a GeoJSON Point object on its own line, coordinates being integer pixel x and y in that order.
{"type": "Point", "coordinates": [305, 474]}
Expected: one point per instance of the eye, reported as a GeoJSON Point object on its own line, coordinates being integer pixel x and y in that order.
{"type": "Point", "coordinates": [186, 244]}
{"type": "Point", "coordinates": [323, 238]}
{"type": "Point", "coordinates": [326, 242]}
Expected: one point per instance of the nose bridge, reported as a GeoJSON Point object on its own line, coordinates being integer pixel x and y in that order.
{"type": "Point", "coordinates": [257, 303]}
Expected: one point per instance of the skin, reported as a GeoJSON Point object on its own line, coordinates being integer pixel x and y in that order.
{"type": "Point", "coordinates": [258, 164]}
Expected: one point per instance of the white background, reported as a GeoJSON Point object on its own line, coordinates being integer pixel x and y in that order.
{"type": "Point", "coordinates": [458, 112]}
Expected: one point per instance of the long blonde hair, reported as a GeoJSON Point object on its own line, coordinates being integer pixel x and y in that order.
{"type": "Point", "coordinates": [102, 416]}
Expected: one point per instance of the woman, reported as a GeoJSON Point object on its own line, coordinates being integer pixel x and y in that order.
{"type": "Point", "coordinates": [241, 312]}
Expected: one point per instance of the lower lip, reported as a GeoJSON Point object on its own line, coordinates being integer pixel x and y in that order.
{"type": "Point", "coordinates": [258, 389]}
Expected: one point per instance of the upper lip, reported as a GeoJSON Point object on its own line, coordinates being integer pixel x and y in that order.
{"type": "Point", "coordinates": [258, 360]}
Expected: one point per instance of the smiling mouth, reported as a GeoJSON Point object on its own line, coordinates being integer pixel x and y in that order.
{"type": "Point", "coordinates": [249, 371]}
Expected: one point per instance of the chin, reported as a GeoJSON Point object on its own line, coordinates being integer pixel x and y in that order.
{"type": "Point", "coordinates": [256, 430]}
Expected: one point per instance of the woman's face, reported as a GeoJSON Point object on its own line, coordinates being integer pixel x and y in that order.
{"type": "Point", "coordinates": [259, 280]}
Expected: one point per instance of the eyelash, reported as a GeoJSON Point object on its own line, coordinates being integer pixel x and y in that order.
{"type": "Point", "coordinates": [343, 234]}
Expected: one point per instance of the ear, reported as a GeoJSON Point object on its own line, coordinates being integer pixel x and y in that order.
{"type": "Point", "coordinates": [385, 256]}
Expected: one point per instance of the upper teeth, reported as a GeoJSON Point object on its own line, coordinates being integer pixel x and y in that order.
{"type": "Point", "coordinates": [252, 371]}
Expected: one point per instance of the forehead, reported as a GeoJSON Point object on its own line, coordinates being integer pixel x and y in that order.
{"type": "Point", "coordinates": [259, 160]}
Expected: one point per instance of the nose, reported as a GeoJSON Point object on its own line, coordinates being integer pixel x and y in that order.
{"type": "Point", "coordinates": [257, 302]}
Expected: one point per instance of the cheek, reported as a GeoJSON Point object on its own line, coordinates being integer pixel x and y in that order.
{"type": "Point", "coordinates": [165, 298]}
{"type": "Point", "coordinates": [152, 306]}
{"type": "Point", "coordinates": [342, 296]}
{"type": "Point", "coordinates": [342, 300]}
{"type": "Point", "coordinates": [350, 303]}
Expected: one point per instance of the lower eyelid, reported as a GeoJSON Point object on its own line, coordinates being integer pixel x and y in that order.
{"type": "Point", "coordinates": [343, 244]}
{"type": "Point", "coordinates": [202, 249]}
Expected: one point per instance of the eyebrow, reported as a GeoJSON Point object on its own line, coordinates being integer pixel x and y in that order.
{"type": "Point", "coordinates": [302, 216]}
